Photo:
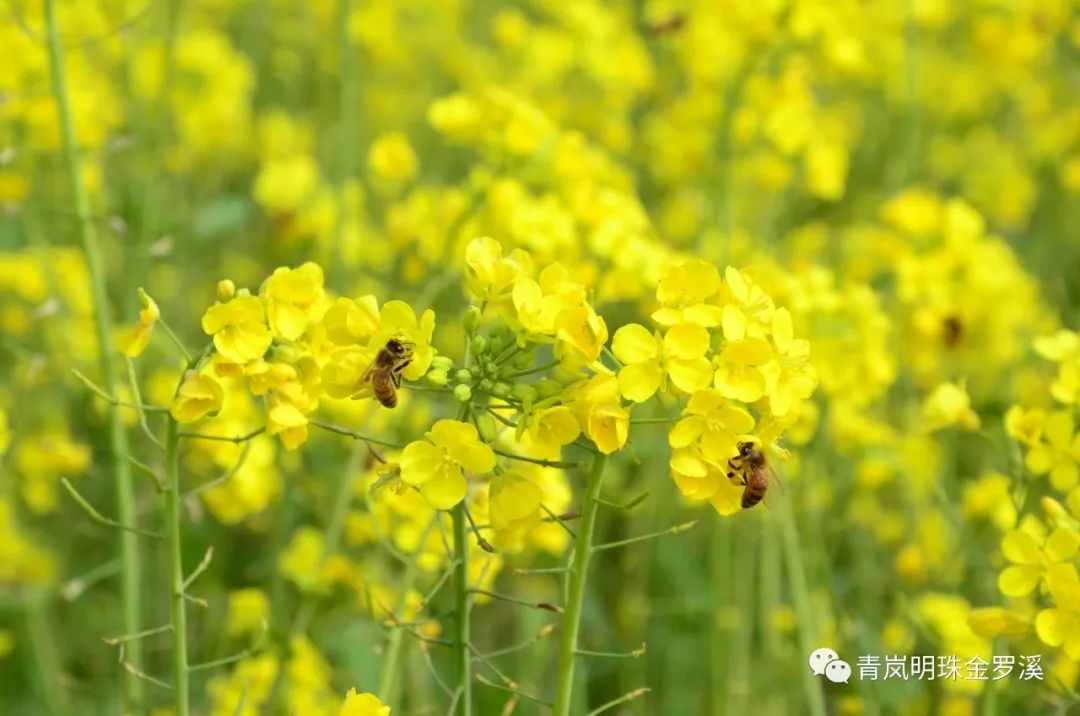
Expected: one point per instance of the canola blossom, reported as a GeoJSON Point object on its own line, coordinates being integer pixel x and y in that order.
{"type": "Point", "coordinates": [370, 358]}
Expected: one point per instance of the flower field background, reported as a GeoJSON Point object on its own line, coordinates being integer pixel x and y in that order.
{"type": "Point", "coordinates": [368, 356]}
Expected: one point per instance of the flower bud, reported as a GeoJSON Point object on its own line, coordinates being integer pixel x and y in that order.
{"type": "Point", "coordinates": [486, 426]}
{"type": "Point", "coordinates": [523, 360]}
{"type": "Point", "coordinates": [462, 393]}
{"type": "Point", "coordinates": [478, 345]}
{"type": "Point", "coordinates": [438, 376]}
{"type": "Point", "coordinates": [226, 289]}
{"type": "Point", "coordinates": [500, 390]}
{"type": "Point", "coordinates": [463, 376]}
{"type": "Point", "coordinates": [472, 319]}
{"type": "Point", "coordinates": [496, 344]}
{"type": "Point", "coordinates": [442, 362]}
{"type": "Point", "coordinates": [486, 385]}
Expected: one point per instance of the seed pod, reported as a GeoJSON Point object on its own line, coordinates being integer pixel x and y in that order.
{"type": "Point", "coordinates": [486, 426]}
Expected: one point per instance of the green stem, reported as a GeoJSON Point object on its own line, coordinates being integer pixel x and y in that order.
{"type": "Point", "coordinates": [721, 548]}
{"type": "Point", "coordinates": [912, 139]}
{"type": "Point", "coordinates": [800, 594]}
{"type": "Point", "coordinates": [462, 656]}
{"type": "Point", "coordinates": [770, 579]}
{"type": "Point", "coordinates": [43, 642]}
{"type": "Point", "coordinates": [576, 589]}
{"type": "Point", "coordinates": [391, 661]}
{"type": "Point", "coordinates": [118, 443]}
{"type": "Point", "coordinates": [741, 650]}
{"type": "Point", "coordinates": [177, 615]}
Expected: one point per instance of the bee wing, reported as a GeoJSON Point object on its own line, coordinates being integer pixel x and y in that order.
{"type": "Point", "coordinates": [774, 477]}
{"type": "Point", "coordinates": [363, 386]}
{"type": "Point", "coordinates": [774, 482]}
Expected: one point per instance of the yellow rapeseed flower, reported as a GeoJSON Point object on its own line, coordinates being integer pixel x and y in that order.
{"type": "Point", "coordinates": [435, 465]}
{"type": "Point", "coordinates": [948, 405]}
{"type": "Point", "coordinates": [650, 358]}
{"type": "Point", "coordinates": [133, 341]}
{"type": "Point", "coordinates": [362, 705]}
{"type": "Point", "coordinates": [487, 272]}
{"type": "Point", "coordinates": [239, 328]}
{"type": "Point", "coordinates": [1060, 625]}
{"type": "Point", "coordinates": [601, 414]}
{"type": "Point", "coordinates": [392, 158]}
{"type": "Point", "coordinates": [1058, 452]}
{"type": "Point", "coordinates": [292, 296]}
{"type": "Point", "coordinates": [549, 429]}
{"type": "Point", "coordinates": [248, 611]}
{"type": "Point", "coordinates": [513, 502]}
{"type": "Point", "coordinates": [199, 396]}
{"type": "Point", "coordinates": [1032, 561]}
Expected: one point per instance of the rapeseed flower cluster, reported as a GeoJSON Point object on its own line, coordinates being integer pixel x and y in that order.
{"type": "Point", "coordinates": [832, 230]}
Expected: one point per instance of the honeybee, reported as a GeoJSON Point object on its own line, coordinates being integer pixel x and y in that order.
{"type": "Point", "coordinates": [667, 26]}
{"type": "Point", "coordinates": [384, 375]}
{"type": "Point", "coordinates": [753, 468]}
{"type": "Point", "coordinates": [952, 331]}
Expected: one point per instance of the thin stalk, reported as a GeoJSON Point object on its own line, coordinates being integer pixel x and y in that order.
{"type": "Point", "coordinates": [576, 588]}
{"type": "Point", "coordinates": [130, 577]}
{"type": "Point", "coordinates": [389, 683]}
{"type": "Point", "coordinates": [43, 642]}
{"type": "Point", "coordinates": [770, 579]}
{"type": "Point", "coordinates": [721, 547]}
{"type": "Point", "coordinates": [800, 594]}
{"type": "Point", "coordinates": [741, 650]}
{"type": "Point", "coordinates": [462, 656]}
{"type": "Point", "coordinates": [177, 614]}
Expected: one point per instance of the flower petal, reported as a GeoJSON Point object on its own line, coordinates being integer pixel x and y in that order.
{"type": "Point", "coordinates": [476, 457]}
{"type": "Point", "coordinates": [420, 460]}
{"type": "Point", "coordinates": [1018, 580]}
{"type": "Point", "coordinates": [633, 343]}
{"type": "Point", "coordinates": [1021, 548]}
{"type": "Point", "coordinates": [686, 340]}
{"type": "Point", "coordinates": [1062, 544]}
{"type": "Point", "coordinates": [690, 375]}
{"type": "Point", "coordinates": [1050, 625]}
{"type": "Point", "coordinates": [639, 381]}
{"type": "Point", "coordinates": [446, 489]}
{"type": "Point", "coordinates": [686, 431]}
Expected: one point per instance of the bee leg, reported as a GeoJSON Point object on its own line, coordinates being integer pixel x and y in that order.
{"type": "Point", "coordinates": [396, 378]}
